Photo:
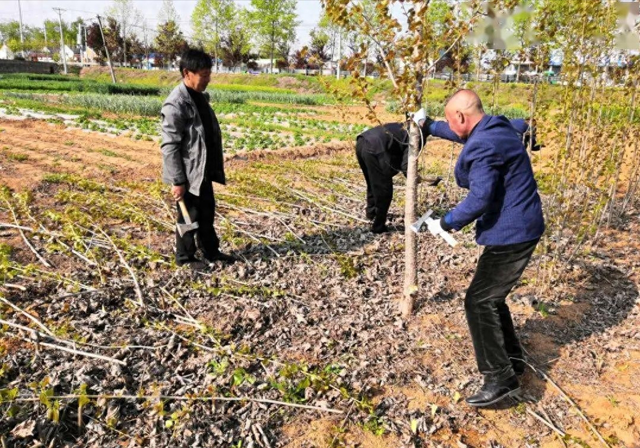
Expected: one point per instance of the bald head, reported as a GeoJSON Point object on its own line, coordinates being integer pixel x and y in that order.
{"type": "Point", "coordinates": [466, 101]}
{"type": "Point", "coordinates": [463, 111]}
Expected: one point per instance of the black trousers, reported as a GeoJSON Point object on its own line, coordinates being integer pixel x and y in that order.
{"type": "Point", "coordinates": [202, 209]}
{"type": "Point", "coordinates": [379, 177]}
{"type": "Point", "coordinates": [492, 332]}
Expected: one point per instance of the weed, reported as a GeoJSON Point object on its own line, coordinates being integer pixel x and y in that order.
{"type": "Point", "coordinates": [18, 157]}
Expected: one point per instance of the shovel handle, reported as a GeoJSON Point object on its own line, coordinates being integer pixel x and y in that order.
{"type": "Point", "coordinates": [185, 212]}
{"type": "Point", "coordinates": [449, 239]}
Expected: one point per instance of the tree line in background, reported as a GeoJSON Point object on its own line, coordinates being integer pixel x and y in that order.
{"type": "Point", "coordinates": [235, 36]}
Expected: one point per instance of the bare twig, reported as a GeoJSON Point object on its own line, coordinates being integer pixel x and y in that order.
{"type": "Point", "coordinates": [14, 286]}
{"type": "Point", "coordinates": [545, 422]}
{"type": "Point", "coordinates": [570, 401]}
{"type": "Point", "coordinates": [127, 266]}
{"type": "Point", "coordinates": [29, 316]}
{"type": "Point", "coordinates": [24, 237]}
{"type": "Point", "coordinates": [249, 234]}
{"type": "Point", "coordinates": [57, 347]}
{"type": "Point", "coordinates": [182, 398]}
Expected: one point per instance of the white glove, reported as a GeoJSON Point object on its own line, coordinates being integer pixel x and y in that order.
{"type": "Point", "coordinates": [419, 115]}
{"type": "Point", "coordinates": [434, 227]}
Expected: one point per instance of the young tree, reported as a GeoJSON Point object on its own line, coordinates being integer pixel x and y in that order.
{"type": "Point", "coordinates": [170, 41]}
{"type": "Point", "coordinates": [274, 22]}
{"type": "Point", "coordinates": [210, 20]}
{"type": "Point", "coordinates": [300, 58]}
{"type": "Point", "coordinates": [128, 17]}
{"type": "Point", "coordinates": [405, 52]}
{"type": "Point", "coordinates": [112, 37]}
{"type": "Point", "coordinates": [318, 54]}
{"type": "Point", "coordinates": [235, 48]}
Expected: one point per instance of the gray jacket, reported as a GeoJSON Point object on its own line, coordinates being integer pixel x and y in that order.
{"type": "Point", "coordinates": [184, 152]}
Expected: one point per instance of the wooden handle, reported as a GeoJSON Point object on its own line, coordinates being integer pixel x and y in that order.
{"type": "Point", "coordinates": [185, 212]}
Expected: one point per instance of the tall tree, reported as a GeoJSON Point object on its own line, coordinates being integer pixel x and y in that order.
{"type": "Point", "coordinates": [235, 47]}
{"type": "Point", "coordinates": [275, 22]}
{"type": "Point", "coordinates": [168, 12]}
{"type": "Point", "coordinates": [112, 37]}
{"type": "Point", "coordinates": [128, 17]}
{"type": "Point", "coordinates": [170, 41]}
{"type": "Point", "coordinates": [210, 20]}
{"type": "Point", "coordinates": [318, 54]}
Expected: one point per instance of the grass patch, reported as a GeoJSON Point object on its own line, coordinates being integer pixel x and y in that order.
{"type": "Point", "coordinates": [17, 157]}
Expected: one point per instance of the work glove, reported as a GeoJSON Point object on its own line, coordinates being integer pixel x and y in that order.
{"type": "Point", "coordinates": [424, 121]}
{"type": "Point", "coordinates": [434, 227]}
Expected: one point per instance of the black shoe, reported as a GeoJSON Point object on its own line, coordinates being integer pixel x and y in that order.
{"type": "Point", "coordinates": [518, 367]}
{"type": "Point", "coordinates": [219, 256]}
{"type": "Point", "coordinates": [379, 229]}
{"type": "Point", "coordinates": [491, 393]}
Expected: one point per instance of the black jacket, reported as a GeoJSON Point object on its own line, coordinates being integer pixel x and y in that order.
{"type": "Point", "coordinates": [392, 138]}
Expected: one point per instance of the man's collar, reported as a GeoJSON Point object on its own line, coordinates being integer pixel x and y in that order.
{"type": "Point", "coordinates": [480, 124]}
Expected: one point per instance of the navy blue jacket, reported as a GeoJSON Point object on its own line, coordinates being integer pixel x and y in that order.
{"type": "Point", "coordinates": [503, 194]}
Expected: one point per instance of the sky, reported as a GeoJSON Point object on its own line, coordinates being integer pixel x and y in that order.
{"type": "Point", "coordinates": [35, 12]}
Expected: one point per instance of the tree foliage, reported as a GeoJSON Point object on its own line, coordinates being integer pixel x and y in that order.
{"type": "Point", "coordinates": [170, 41]}
{"type": "Point", "coordinates": [112, 36]}
{"type": "Point", "coordinates": [168, 12]}
{"type": "Point", "coordinates": [275, 23]}
{"type": "Point", "coordinates": [128, 17]}
{"type": "Point", "coordinates": [211, 20]}
{"type": "Point", "coordinates": [34, 37]}
{"type": "Point", "coordinates": [235, 48]}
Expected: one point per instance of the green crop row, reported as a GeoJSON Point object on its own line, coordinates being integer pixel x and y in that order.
{"type": "Point", "coordinates": [144, 106]}
{"type": "Point", "coordinates": [73, 85]}
{"type": "Point", "coordinates": [224, 93]}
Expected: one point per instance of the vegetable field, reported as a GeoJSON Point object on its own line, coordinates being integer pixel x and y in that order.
{"type": "Point", "coordinates": [105, 342]}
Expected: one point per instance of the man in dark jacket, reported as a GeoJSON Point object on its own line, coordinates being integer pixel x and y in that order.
{"type": "Point", "coordinates": [382, 153]}
{"type": "Point", "coordinates": [503, 200]}
{"type": "Point", "coordinates": [192, 158]}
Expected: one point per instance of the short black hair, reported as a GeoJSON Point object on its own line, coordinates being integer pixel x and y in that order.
{"type": "Point", "coordinates": [195, 60]}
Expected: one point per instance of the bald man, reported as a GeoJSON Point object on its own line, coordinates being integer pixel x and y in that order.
{"type": "Point", "coordinates": [503, 200]}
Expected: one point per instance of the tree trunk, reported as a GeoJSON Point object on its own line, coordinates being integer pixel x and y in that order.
{"type": "Point", "coordinates": [411, 196]}
{"type": "Point", "coordinates": [410, 240]}
{"type": "Point", "coordinates": [124, 47]}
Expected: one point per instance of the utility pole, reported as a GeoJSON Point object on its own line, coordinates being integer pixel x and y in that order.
{"type": "Point", "coordinates": [79, 41]}
{"type": "Point", "coordinates": [113, 76]}
{"type": "Point", "coordinates": [146, 44]}
{"type": "Point", "coordinates": [85, 43]}
{"type": "Point", "coordinates": [21, 34]}
{"type": "Point", "coordinates": [63, 54]}
{"type": "Point", "coordinates": [339, 54]}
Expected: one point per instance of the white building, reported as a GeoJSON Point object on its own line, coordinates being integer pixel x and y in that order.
{"type": "Point", "coordinates": [6, 53]}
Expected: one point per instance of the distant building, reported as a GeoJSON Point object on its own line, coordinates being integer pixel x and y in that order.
{"type": "Point", "coordinates": [6, 53]}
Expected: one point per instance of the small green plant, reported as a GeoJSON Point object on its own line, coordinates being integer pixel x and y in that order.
{"type": "Point", "coordinates": [17, 157]}
{"type": "Point", "coordinates": [543, 309]}
{"type": "Point", "coordinates": [108, 153]}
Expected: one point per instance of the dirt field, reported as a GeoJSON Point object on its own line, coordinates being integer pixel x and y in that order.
{"type": "Point", "coordinates": [319, 302]}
